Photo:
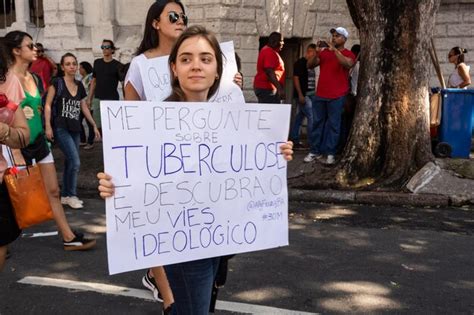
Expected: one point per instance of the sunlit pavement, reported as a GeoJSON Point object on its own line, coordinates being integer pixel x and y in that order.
{"type": "Point", "coordinates": [341, 258]}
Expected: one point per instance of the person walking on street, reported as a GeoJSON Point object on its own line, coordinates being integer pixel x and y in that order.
{"type": "Point", "coordinates": [43, 66]}
{"type": "Point", "coordinates": [105, 79]}
{"type": "Point", "coordinates": [269, 81]}
{"type": "Point", "coordinates": [64, 103]}
{"type": "Point", "coordinates": [22, 52]}
{"type": "Point", "coordinates": [14, 136]}
{"type": "Point", "coordinates": [304, 84]}
{"type": "Point", "coordinates": [333, 85]}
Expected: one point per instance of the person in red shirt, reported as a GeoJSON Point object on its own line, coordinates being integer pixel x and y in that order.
{"type": "Point", "coordinates": [43, 66]}
{"type": "Point", "coordinates": [270, 78]}
{"type": "Point", "coordinates": [333, 85]}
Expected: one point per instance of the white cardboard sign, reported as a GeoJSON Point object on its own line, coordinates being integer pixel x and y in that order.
{"type": "Point", "coordinates": [193, 180]}
{"type": "Point", "coordinates": [157, 83]}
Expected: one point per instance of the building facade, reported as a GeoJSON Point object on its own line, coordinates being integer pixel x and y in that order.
{"type": "Point", "coordinates": [78, 26]}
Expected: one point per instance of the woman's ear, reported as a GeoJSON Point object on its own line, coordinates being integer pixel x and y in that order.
{"type": "Point", "coordinates": [173, 68]}
{"type": "Point", "coordinates": [155, 24]}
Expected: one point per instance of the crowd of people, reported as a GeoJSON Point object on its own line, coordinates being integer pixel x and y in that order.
{"type": "Point", "coordinates": [54, 103]}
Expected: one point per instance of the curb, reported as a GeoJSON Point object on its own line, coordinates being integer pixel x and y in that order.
{"type": "Point", "coordinates": [369, 197]}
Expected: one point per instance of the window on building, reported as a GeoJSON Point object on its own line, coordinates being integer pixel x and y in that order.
{"type": "Point", "coordinates": [37, 13]}
{"type": "Point", "coordinates": [7, 13]}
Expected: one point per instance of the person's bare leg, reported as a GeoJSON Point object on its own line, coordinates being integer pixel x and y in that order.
{"type": "Point", "coordinates": [163, 285]}
{"type": "Point", "coordinates": [3, 255]}
{"type": "Point", "coordinates": [50, 179]}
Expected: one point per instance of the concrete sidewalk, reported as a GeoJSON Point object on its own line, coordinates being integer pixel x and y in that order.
{"type": "Point", "coordinates": [92, 162]}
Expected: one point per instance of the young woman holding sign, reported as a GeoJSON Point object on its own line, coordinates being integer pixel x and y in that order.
{"type": "Point", "coordinates": [196, 69]}
{"type": "Point", "coordinates": [165, 22]}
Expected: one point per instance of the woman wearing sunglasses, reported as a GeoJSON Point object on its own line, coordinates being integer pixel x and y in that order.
{"type": "Point", "coordinates": [166, 20]}
{"type": "Point", "coordinates": [192, 281]}
{"type": "Point", "coordinates": [9, 136]}
{"type": "Point", "coordinates": [22, 52]}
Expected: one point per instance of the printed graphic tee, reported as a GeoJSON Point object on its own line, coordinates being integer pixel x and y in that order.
{"type": "Point", "coordinates": [68, 107]}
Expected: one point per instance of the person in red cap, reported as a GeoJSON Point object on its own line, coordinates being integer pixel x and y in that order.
{"type": "Point", "coordinates": [333, 85]}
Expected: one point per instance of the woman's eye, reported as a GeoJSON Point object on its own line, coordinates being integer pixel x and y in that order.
{"type": "Point", "coordinates": [207, 59]}
{"type": "Point", "coordinates": [185, 59]}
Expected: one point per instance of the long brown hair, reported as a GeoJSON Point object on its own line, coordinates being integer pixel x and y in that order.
{"type": "Point", "coordinates": [177, 94]}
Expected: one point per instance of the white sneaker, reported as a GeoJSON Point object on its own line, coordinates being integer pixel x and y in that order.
{"type": "Point", "coordinates": [330, 160]}
{"type": "Point", "coordinates": [65, 200]}
{"type": "Point", "coordinates": [77, 199]}
{"type": "Point", "coordinates": [74, 203]}
{"type": "Point", "coordinates": [311, 157]}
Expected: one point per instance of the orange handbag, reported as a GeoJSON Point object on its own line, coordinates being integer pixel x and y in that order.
{"type": "Point", "coordinates": [27, 194]}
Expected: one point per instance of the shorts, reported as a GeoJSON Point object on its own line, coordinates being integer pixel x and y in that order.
{"type": "Point", "coordinates": [9, 230]}
{"type": "Point", "coordinates": [48, 159]}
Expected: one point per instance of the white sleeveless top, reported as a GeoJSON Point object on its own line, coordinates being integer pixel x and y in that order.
{"type": "Point", "coordinates": [455, 79]}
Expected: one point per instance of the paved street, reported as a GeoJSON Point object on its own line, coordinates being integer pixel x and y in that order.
{"type": "Point", "coordinates": [356, 259]}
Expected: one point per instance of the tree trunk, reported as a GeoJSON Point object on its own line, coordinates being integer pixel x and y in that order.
{"type": "Point", "coordinates": [390, 138]}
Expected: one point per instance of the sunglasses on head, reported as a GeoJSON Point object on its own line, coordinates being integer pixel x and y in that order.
{"type": "Point", "coordinates": [174, 17]}
{"type": "Point", "coordinates": [106, 47]}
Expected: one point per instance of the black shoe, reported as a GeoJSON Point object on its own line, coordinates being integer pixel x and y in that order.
{"type": "Point", "coordinates": [150, 284]}
{"type": "Point", "coordinates": [79, 243]}
{"type": "Point", "coordinates": [298, 146]}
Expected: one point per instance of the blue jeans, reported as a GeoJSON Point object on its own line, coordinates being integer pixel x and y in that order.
{"type": "Point", "coordinates": [69, 144]}
{"type": "Point", "coordinates": [301, 112]}
{"type": "Point", "coordinates": [326, 125]}
{"type": "Point", "coordinates": [191, 283]}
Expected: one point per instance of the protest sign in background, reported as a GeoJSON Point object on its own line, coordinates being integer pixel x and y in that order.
{"type": "Point", "coordinates": [193, 180]}
{"type": "Point", "coordinates": [155, 76]}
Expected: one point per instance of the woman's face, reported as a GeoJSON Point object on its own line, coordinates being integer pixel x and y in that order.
{"type": "Point", "coordinates": [27, 50]}
{"type": "Point", "coordinates": [452, 57]}
{"type": "Point", "coordinates": [69, 65]}
{"type": "Point", "coordinates": [82, 71]}
{"type": "Point", "coordinates": [164, 25]}
{"type": "Point", "coordinates": [195, 67]}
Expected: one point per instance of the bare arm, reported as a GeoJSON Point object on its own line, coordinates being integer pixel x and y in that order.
{"type": "Point", "coordinates": [464, 73]}
{"type": "Point", "coordinates": [47, 113]}
{"type": "Point", "coordinates": [130, 94]}
{"type": "Point", "coordinates": [272, 78]}
{"type": "Point", "coordinates": [346, 62]}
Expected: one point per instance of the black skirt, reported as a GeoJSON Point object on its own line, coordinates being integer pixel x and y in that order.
{"type": "Point", "coordinates": [9, 230]}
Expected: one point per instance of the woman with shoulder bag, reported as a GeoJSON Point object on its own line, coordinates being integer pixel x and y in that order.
{"type": "Point", "coordinates": [22, 52]}
{"type": "Point", "coordinates": [13, 136]}
{"type": "Point", "coordinates": [66, 97]}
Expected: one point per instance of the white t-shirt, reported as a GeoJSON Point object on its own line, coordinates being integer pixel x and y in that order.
{"type": "Point", "coordinates": [134, 76]}
{"type": "Point", "coordinates": [455, 79]}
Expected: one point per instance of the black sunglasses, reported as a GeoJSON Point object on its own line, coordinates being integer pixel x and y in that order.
{"type": "Point", "coordinates": [174, 17]}
{"type": "Point", "coordinates": [106, 47]}
{"type": "Point", "coordinates": [31, 46]}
